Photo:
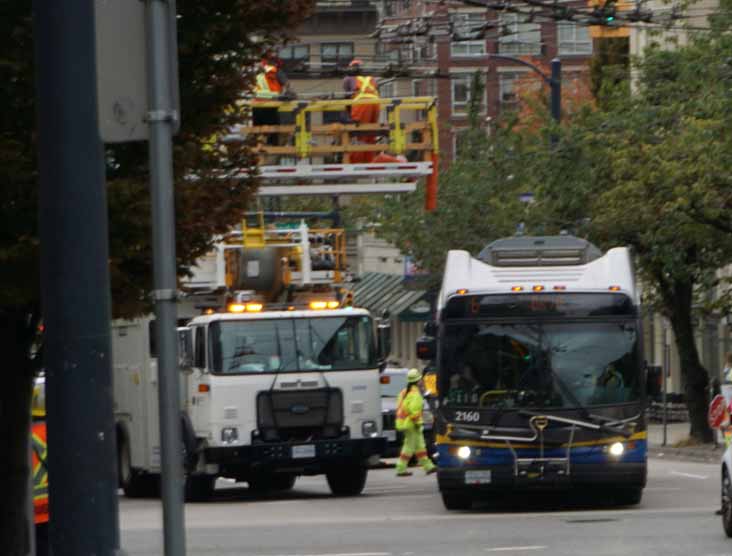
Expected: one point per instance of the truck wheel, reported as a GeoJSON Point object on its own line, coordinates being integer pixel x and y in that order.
{"type": "Point", "coordinates": [456, 501]}
{"type": "Point", "coordinates": [283, 481]}
{"type": "Point", "coordinates": [133, 483]}
{"type": "Point", "coordinates": [347, 480]}
{"type": "Point", "coordinates": [199, 488]}
{"type": "Point", "coordinates": [628, 496]}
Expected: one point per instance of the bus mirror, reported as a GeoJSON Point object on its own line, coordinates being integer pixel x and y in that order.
{"type": "Point", "coordinates": [426, 350]}
{"type": "Point", "coordinates": [185, 349]}
{"type": "Point", "coordinates": [383, 336]}
{"type": "Point", "coordinates": [430, 384]}
{"type": "Point", "coordinates": [430, 328]}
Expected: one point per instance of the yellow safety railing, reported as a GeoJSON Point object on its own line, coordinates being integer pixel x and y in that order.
{"type": "Point", "coordinates": [303, 139]}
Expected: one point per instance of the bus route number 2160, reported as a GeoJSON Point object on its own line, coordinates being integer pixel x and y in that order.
{"type": "Point", "coordinates": [467, 416]}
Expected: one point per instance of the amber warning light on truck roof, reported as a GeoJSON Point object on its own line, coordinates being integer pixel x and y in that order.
{"type": "Point", "coordinates": [245, 307]}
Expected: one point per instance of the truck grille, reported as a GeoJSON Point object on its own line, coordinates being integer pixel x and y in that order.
{"type": "Point", "coordinates": [300, 415]}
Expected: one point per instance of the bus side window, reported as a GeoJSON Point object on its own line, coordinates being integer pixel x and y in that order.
{"type": "Point", "coordinates": [200, 348]}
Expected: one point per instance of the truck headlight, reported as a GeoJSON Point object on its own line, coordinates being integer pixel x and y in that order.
{"type": "Point", "coordinates": [369, 429]}
{"type": "Point", "coordinates": [229, 435]}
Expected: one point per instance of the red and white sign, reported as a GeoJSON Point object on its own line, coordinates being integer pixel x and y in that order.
{"type": "Point", "coordinates": [718, 415]}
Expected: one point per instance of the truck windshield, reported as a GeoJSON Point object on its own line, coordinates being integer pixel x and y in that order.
{"type": "Point", "coordinates": [289, 345]}
{"type": "Point", "coordinates": [525, 365]}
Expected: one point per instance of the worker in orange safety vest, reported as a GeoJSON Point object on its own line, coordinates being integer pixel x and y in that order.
{"type": "Point", "coordinates": [271, 84]}
{"type": "Point", "coordinates": [362, 87]}
{"type": "Point", "coordinates": [409, 421]}
{"type": "Point", "coordinates": [40, 468]}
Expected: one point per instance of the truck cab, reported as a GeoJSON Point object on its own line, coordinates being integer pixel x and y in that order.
{"type": "Point", "coordinates": [277, 394]}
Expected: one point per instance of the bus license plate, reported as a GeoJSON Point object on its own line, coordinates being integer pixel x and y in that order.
{"type": "Point", "coordinates": [477, 477]}
{"type": "Point", "coordinates": [304, 451]}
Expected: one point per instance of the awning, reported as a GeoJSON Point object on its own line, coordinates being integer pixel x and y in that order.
{"type": "Point", "coordinates": [379, 292]}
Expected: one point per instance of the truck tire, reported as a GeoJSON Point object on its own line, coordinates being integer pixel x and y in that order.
{"type": "Point", "coordinates": [456, 500]}
{"type": "Point", "coordinates": [628, 496]}
{"type": "Point", "coordinates": [199, 488]}
{"type": "Point", "coordinates": [348, 480]}
{"type": "Point", "coordinates": [134, 483]}
{"type": "Point", "coordinates": [283, 482]}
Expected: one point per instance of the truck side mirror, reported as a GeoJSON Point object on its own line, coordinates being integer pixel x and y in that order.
{"type": "Point", "coordinates": [185, 348]}
{"type": "Point", "coordinates": [383, 336]}
{"type": "Point", "coordinates": [426, 348]}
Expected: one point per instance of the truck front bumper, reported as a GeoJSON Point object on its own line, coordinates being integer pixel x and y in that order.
{"type": "Point", "coordinates": [305, 458]}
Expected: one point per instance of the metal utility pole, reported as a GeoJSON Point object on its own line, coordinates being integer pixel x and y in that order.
{"type": "Point", "coordinates": [75, 284]}
{"type": "Point", "coordinates": [162, 120]}
{"type": "Point", "coordinates": [554, 81]}
{"type": "Point", "coordinates": [556, 86]}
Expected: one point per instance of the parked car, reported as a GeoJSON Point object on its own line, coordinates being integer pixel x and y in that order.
{"type": "Point", "coordinates": [393, 381]}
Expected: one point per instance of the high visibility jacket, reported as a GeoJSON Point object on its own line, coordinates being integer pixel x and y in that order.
{"type": "Point", "coordinates": [365, 88]}
{"type": "Point", "coordinates": [409, 409]}
{"type": "Point", "coordinates": [268, 86]}
{"type": "Point", "coordinates": [40, 472]}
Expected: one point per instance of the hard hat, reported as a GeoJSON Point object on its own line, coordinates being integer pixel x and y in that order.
{"type": "Point", "coordinates": [414, 375]}
{"type": "Point", "coordinates": [355, 62]}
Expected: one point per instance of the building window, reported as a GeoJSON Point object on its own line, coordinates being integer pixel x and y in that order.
{"type": "Point", "coordinates": [469, 28]}
{"type": "Point", "coordinates": [461, 87]}
{"type": "Point", "coordinates": [339, 53]}
{"type": "Point", "coordinates": [388, 90]}
{"type": "Point", "coordinates": [424, 88]}
{"type": "Point", "coordinates": [508, 98]}
{"type": "Point", "coordinates": [295, 57]}
{"type": "Point", "coordinates": [574, 38]}
{"type": "Point", "coordinates": [467, 49]}
{"type": "Point", "coordinates": [518, 37]}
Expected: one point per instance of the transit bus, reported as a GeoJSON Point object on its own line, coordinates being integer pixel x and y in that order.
{"type": "Point", "coordinates": [540, 379]}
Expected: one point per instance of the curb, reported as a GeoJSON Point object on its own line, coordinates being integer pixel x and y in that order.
{"type": "Point", "coordinates": [703, 455]}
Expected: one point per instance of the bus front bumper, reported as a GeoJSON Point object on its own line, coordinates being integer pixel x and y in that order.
{"type": "Point", "coordinates": [504, 477]}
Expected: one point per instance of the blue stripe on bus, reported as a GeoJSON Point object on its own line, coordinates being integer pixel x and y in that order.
{"type": "Point", "coordinates": [502, 456]}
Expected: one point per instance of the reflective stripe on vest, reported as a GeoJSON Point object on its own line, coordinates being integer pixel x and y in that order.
{"type": "Point", "coordinates": [40, 472]}
{"type": "Point", "coordinates": [365, 88]}
{"type": "Point", "coordinates": [267, 84]}
{"type": "Point", "coordinates": [402, 412]}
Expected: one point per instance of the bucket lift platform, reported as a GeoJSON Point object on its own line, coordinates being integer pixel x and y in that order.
{"type": "Point", "coordinates": [316, 158]}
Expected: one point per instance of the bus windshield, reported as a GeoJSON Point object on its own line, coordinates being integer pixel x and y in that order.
{"type": "Point", "coordinates": [288, 345]}
{"type": "Point", "coordinates": [549, 365]}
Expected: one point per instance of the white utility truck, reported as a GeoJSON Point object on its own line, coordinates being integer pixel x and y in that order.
{"type": "Point", "coordinates": [279, 374]}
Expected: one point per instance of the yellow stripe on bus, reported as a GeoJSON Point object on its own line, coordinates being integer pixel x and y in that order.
{"type": "Point", "coordinates": [445, 440]}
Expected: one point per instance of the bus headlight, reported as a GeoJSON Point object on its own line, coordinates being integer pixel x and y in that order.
{"type": "Point", "coordinates": [617, 449]}
{"type": "Point", "coordinates": [229, 435]}
{"type": "Point", "coordinates": [464, 452]}
{"type": "Point", "coordinates": [369, 429]}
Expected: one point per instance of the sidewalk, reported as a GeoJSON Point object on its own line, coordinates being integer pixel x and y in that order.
{"type": "Point", "coordinates": [676, 447]}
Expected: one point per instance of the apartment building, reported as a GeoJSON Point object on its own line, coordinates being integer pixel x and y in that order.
{"type": "Point", "coordinates": [456, 40]}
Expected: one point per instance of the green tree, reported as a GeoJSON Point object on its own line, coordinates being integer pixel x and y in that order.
{"type": "Point", "coordinates": [643, 166]}
{"type": "Point", "coordinates": [219, 45]}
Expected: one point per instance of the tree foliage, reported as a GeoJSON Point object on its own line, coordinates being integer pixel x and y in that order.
{"type": "Point", "coordinates": [219, 44]}
{"type": "Point", "coordinates": [648, 169]}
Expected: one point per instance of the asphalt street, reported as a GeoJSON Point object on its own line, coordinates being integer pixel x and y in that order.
{"type": "Point", "coordinates": [405, 517]}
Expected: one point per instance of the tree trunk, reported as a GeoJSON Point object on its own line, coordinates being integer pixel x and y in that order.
{"type": "Point", "coordinates": [678, 299]}
{"type": "Point", "coordinates": [17, 329]}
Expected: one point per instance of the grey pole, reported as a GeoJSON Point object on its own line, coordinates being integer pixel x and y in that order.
{"type": "Point", "coordinates": [556, 87]}
{"type": "Point", "coordinates": [162, 120]}
{"type": "Point", "coordinates": [75, 283]}
{"type": "Point", "coordinates": [666, 366]}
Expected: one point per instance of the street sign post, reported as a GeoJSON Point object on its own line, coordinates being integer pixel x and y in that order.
{"type": "Point", "coordinates": [122, 74]}
{"type": "Point", "coordinates": [718, 415]}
